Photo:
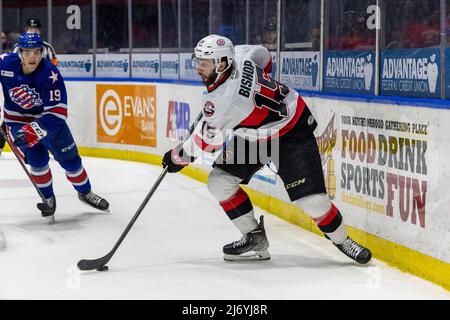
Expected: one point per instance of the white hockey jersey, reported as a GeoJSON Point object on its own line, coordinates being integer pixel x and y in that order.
{"type": "Point", "coordinates": [248, 103]}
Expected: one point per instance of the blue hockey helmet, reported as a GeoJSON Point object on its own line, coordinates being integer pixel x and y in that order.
{"type": "Point", "coordinates": [30, 41]}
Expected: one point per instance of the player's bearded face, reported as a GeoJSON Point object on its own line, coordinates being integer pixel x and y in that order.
{"type": "Point", "coordinates": [31, 58]}
{"type": "Point", "coordinates": [207, 70]}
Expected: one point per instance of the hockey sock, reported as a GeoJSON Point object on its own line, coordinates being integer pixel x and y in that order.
{"type": "Point", "coordinates": [240, 211]}
{"type": "Point", "coordinates": [332, 225]}
{"type": "Point", "coordinates": [42, 177]}
{"type": "Point", "coordinates": [76, 174]}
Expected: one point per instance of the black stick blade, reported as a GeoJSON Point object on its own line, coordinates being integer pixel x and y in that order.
{"type": "Point", "coordinates": [94, 264]}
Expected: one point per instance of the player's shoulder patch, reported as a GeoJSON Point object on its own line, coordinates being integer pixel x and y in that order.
{"type": "Point", "coordinates": [49, 72]}
{"type": "Point", "coordinates": [8, 74]}
{"type": "Point", "coordinates": [9, 57]}
{"type": "Point", "coordinates": [3, 56]}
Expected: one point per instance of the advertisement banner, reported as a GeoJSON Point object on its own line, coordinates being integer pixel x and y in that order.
{"type": "Point", "coordinates": [126, 114]}
{"type": "Point", "coordinates": [411, 73]}
{"type": "Point", "coordinates": [178, 120]}
{"type": "Point", "coordinates": [112, 65]}
{"type": "Point", "coordinates": [145, 65]}
{"type": "Point", "coordinates": [187, 69]}
{"type": "Point", "coordinates": [76, 65]}
{"type": "Point", "coordinates": [384, 168]}
{"type": "Point", "coordinates": [170, 66]}
{"type": "Point", "coordinates": [300, 70]}
{"type": "Point", "coordinates": [447, 74]}
{"type": "Point", "coordinates": [349, 71]}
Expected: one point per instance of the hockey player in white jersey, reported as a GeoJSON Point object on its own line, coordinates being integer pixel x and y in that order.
{"type": "Point", "coordinates": [244, 101]}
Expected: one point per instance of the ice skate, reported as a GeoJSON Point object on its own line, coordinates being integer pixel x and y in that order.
{"type": "Point", "coordinates": [252, 246]}
{"type": "Point", "coordinates": [355, 251]}
{"type": "Point", "coordinates": [48, 209]}
{"type": "Point", "coordinates": [94, 201]}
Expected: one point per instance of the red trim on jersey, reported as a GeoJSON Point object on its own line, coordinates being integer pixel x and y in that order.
{"type": "Point", "coordinates": [328, 217]}
{"type": "Point", "coordinates": [291, 124]}
{"type": "Point", "coordinates": [46, 178]}
{"type": "Point", "coordinates": [224, 77]}
{"type": "Point", "coordinates": [205, 146]}
{"type": "Point", "coordinates": [234, 201]}
{"type": "Point", "coordinates": [269, 93]}
{"type": "Point", "coordinates": [268, 67]}
{"type": "Point", "coordinates": [298, 113]}
{"type": "Point", "coordinates": [19, 118]}
{"type": "Point", "coordinates": [255, 117]}
{"type": "Point", "coordinates": [58, 110]}
{"type": "Point", "coordinates": [78, 179]}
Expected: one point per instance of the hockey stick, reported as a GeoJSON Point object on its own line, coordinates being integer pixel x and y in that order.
{"type": "Point", "coordinates": [15, 151]}
{"type": "Point", "coordinates": [100, 263]}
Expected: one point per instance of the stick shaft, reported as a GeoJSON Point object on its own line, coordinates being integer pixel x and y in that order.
{"type": "Point", "coordinates": [97, 263]}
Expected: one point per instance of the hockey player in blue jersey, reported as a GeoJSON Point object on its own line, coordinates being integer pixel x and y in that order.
{"type": "Point", "coordinates": [35, 112]}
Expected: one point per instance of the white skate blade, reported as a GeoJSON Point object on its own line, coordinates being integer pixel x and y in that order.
{"type": "Point", "coordinates": [248, 256]}
{"type": "Point", "coordinates": [50, 220]}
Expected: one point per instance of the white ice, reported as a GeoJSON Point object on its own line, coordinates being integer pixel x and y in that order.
{"type": "Point", "coordinates": [174, 251]}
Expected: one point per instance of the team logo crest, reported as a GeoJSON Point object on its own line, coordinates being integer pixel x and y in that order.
{"type": "Point", "coordinates": [25, 96]}
{"type": "Point", "coordinates": [220, 42]}
{"type": "Point", "coordinates": [208, 109]}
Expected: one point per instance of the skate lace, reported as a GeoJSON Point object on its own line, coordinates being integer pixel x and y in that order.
{"type": "Point", "coordinates": [92, 197]}
{"type": "Point", "coordinates": [351, 248]}
{"type": "Point", "coordinates": [241, 242]}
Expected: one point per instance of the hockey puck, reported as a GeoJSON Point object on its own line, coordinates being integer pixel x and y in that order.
{"type": "Point", "coordinates": [103, 268]}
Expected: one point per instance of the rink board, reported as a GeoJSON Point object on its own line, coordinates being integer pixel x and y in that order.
{"type": "Point", "coordinates": [387, 167]}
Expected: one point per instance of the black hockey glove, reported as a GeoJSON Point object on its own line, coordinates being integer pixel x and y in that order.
{"type": "Point", "coordinates": [173, 160]}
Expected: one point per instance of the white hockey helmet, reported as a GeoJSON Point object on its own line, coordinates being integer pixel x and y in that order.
{"type": "Point", "coordinates": [215, 47]}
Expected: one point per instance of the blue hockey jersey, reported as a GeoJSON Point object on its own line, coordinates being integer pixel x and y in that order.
{"type": "Point", "coordinates": [39, 96]}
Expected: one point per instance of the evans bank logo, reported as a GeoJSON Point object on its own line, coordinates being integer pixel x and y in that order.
{"type": "Point", "coordinates": [111, 112]}
{"type": "Point", "coordinates": [126, 110]}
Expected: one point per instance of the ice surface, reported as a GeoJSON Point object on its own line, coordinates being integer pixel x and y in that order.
{"type": "Point", "coordinates": [174, 251]}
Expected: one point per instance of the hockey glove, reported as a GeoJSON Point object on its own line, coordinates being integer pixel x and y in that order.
{"type": "Point", "coordinates": [173, 160]}
{"type": "Point", "coordinates": [29, 135]}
